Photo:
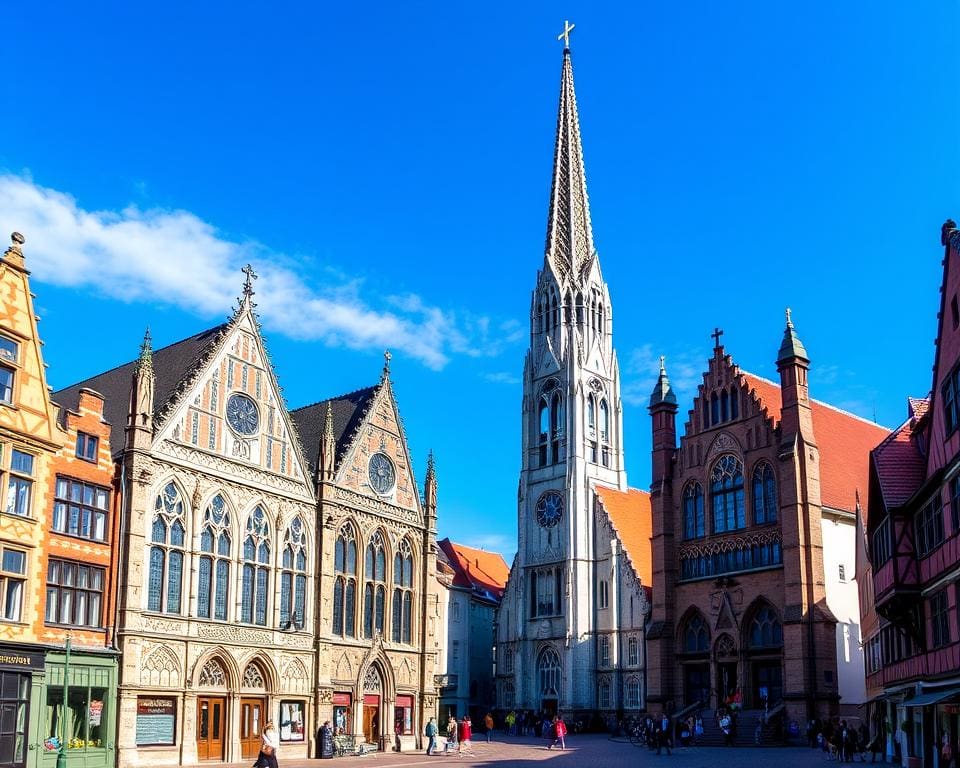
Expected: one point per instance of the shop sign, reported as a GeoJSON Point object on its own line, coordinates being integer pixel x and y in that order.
{"type": "Point", "coordinates": [156, 721]}
{"type": "Point", "coordinates": [11, 658]}
{"type": "Point", "coordinates": [341, 699]}
{"type": "Point", "coordinates": [96, 712]}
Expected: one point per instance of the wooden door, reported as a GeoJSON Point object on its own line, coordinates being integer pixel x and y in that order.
{"type": "Point", "coordinates": [371, 724]}
{"type": "Point", "coordinates": [252, 720]}
{"type": "Point", "coordinates": [211, 723]}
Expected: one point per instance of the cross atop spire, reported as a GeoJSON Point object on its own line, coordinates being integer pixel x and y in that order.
{"type": "Point", "coordinates": [717, 333]}
{"type": "Point", "coordinates": [569, 245]}
{"type": "Point", "coordinates": [387, 356]}
{"type": "Point", "coordinates": [565, 35]}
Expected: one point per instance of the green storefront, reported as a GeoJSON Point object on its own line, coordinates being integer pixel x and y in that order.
{"type": "Point", "coordinates": [88, 722]}
{"type": "Point", "coordinates": [21, 680]}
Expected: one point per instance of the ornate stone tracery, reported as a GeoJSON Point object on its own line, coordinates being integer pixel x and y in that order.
{"type": "Point", "coordinates": [212, 675]}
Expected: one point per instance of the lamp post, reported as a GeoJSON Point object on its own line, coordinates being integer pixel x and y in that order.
{"type": "Point", "coordinates": [62, 752]}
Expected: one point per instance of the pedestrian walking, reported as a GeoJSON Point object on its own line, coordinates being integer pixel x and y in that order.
{"type": "Point", "coordinates": [466, 735]}
{"type": "Point", "coordinates": [451, 735]}
{"type": "Point", "coordinates": [726, 727]}
{"type": "Point", "coordinates": [511, 720]}
{"type": "Point", "coordinates": [269, 744]}
{"type": "Point", "coordinates": [665, 734]}
{"type": "Point", "coordinates": [431, 733]}
{"type": "Point", "coordinates": [559, 732]}
{"type": "Point", "coordinates": [488, 724]}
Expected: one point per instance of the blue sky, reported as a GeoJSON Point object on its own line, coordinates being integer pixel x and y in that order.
{"type": "Point", "coordinates": [387, 172]}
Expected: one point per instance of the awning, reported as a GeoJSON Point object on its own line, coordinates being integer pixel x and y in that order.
{"type": "Point", "coordinates": [932, 697]}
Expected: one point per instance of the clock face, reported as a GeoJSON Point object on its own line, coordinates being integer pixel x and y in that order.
{"type": "Point", "coordinates": [550, 509]}
{"type": "Point", "coordinates": [382, 473]}
{"type": "Point", "coordinates": [242, 414]}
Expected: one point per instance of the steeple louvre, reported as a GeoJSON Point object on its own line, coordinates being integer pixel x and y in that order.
{"type": "Point", "coordinates": [569, 246]}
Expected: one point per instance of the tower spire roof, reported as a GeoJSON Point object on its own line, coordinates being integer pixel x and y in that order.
{"type": "Point", "coordinates": [662, 391]}
{"type": "Point", "coordinates": [791, 346]}
{"type": "Point", "coordinates": [569, 245]}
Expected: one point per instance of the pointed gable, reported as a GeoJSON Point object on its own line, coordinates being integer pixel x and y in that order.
{"type": "Point", "coordinates": [631, 516]}
{"type": "Point", "coordinates": [844, 441]}
{"type": "Point", "coordinates": [899, 465]}
{"type": "Point", "coordinates": [173, 366]}
{"type": "Point", "coordinates": [347, 410]}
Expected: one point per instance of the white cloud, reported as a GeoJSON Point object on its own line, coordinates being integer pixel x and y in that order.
{"type": "Point", "coordinates": [174, 257]}
{"type": "Point", "coordinates": [502, 377]}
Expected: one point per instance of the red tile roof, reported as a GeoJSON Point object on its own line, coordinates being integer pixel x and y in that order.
{"type": "Point", "coordinates": [844, 440]}
{"type": "Point", "coordinates": [631, 516]}
{"type": "Point", "coordinates": [901, 468]}
{"type": "Point", "coordinates": [476, 568]}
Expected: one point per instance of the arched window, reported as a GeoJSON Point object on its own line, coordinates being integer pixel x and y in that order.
{"type": "Point", "coordinates": [556, 425]}
{"type": "Point", "coordinates": [554, 315]}
{"type": "Point", "coordinates": [543, 419]}
{"type": "Point", "coordinates": [167, 534]}
{"type": "Point", "coordinates": [724, 406]}
{"type": "Point", "coordinates": [509, 695]}
{"type": "Point", "coordinates": [375, 588]}
{"type": "Point", "coordinates": [402, 593]}
{"type": "Point", "coordinates": [548, 668]}
{"type": "Point", "coordinates": [603, 695]}
{"type": "Point", "coordinates": [734, 403]}
{"type": "Point", "coordinates": [253, 677]}
{"type": "Point", "coordinates": [293, 576]}
{"type": "Point", "coordinates": [212, 675]}
{"type": "Point", "coordinates": [706, 412]}
{"type": "Point", "coordinates": [256, 569]}
{"type": "Point", "coordinates": [604, 433]}
{"type": "Point", "coordinates": [214, 571]}
{"type": "Point", "coordinates": [696, 635]}
{"type": "Point", "coordinates": [345, 583]}
{"type": "Point", "coordinates": [693, 522]}
{"type": "Point", "coordinates": [714, 409]}
{"type": "Point", "coordinates": [539, 317]}
{"type": "Point", "coordinates": [631, 693]}
{"type": "Point", "coordinates": [592, 428]}
{"type": "Point", "coordinates": [765, 629]}
{"type": "Point", "coordinates": [726, 494]}
{"type": "Point", "coordinates": [764, 495]}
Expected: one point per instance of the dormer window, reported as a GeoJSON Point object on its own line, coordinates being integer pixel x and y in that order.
{"type": "Point", "coordinates": [9, 358]}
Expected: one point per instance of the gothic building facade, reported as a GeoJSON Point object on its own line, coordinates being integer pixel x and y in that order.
{"type": "Point", "coordinates": [570, 626]}
{"type": "Point", "coordinates": [265, 573]}
{"type": "Point", "coordinates": [754, 543]}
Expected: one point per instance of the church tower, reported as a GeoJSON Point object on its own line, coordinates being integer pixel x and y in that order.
{"type": "Point", "coordinates": [571, 440]}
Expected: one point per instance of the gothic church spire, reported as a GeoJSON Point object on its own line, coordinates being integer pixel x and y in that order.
{"type": "Point", "coordinates": [569, 246]}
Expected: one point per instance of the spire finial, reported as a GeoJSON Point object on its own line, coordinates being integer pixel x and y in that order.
{"type": "Point", "coordinates": [431, 466]}
{"type": "Point", "coordinates": [14, 253]}
{"type": "Point", "coordinates": [663, 368]}
{"type": "Point", "coordinates": [386, 363]}
{"type": "Point", "coordinates": [662, 391]}
{"type": "Point", "coordinates": [248, 282]}
{"type": "Point", "coordinates": [328, 427]}
{"type": "Point", "coordinates": [146, 351]}
{"type": "Point", "coordinates": [789, 321]}
{"type": "Point", "coordinates": [565, 35]}
{"type": "Point", "coordinates": [791, 346]}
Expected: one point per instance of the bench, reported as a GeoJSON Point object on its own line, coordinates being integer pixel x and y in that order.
{"type": "Point", "coordinates": [344, 744]}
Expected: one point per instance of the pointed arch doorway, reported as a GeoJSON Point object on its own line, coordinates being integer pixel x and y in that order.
{"type": "Point", "coordinates": [372, 705]}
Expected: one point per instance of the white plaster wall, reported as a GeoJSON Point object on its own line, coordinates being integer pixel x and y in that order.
{"type": "Point", "coordinates": [839, 547]}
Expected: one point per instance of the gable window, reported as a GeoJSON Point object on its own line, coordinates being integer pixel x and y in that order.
{"type": "Point", "coordinates": [543, 420]}
{"type": "Point", "coordinates": [882, 548]}
{"type": "Point", "coordinates": [375, 588]}
{"type": "Point", "coordinates": [696, 635]}
{"type": "Point", "coordinates": [604, 434]}
{"type": "Point", "coordinates": [592, 429]}
{"type": "Point", "coordinates": [928, 526]}
{"type": "Point", "coordinates": [726, 492]}
{"type": "Point", "coordinates": [764, 495]}
{"type": "Point", "coordinates": [403, 593]}
{"type": "Point", "coordinates": [9, 353]}
{"type": "Point", "coordinates": [13, 569]}
{"type": "Point", "coordinates": [556, 425]}
{"type": "Point", "coordinates": [604, 651]}
{"type": "Point", "coordinates": [80, 509]}
{"type": "Point", "coordinates": [765, 629]}
{"type": "Point", "coordinates": [293, 576]}
{"type": "Point", "coordinates": [951, 408]}
{"type": "Point", "coordinates": [214, 570]}
{"type": "Point", "coordinates": [633, 652]}
{"type": "Point", "coordinates": [734, 403]}
{"type": "Point", "coordinates": [20, 484]}
{"type": "Point", "coordinates": [74, 593]}
{"type": "Point", "coordinates": [631, 693]}
{"type": "Point", "coordinates": [165, 578]}
{"type": "Point", "coordinates": [255, 585]}
{"type": "Point", "coordinates": [603, 593]}
{"type": "Point", "coordinates": [693, 520]}
{"type": "Point", "coordinates": [345, 583]}
{"type": "Point", "coordinates": [87, 447]}
{"type": "Point", "coordinates": [548, 669]}
{"type": "Point", "coordinates": [508, 661]}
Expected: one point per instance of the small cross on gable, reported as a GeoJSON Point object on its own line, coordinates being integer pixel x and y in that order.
{"type": "Point", "coordinates": [717, 333]}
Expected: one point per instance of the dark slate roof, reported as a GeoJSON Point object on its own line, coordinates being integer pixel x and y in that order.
{"type": "Point", "coordinates": [171, 365]}
{"type": "Point", "coordinates": [348, 411]}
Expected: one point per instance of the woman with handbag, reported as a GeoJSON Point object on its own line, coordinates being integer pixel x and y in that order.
{"type": "Point", "coordinates": [269, 744]}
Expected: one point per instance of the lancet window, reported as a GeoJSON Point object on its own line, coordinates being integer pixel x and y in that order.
{"type": "Point", "coordinates": [375, 587]}
{"type": "Point", "coordinates": [167, 535]}
{"type": "Point", "coordinates": [345, 583]}
{"type": "Point", "coordinates": [693, 517]}
{"type": "Point", "coordinates": [403, 593]}
{"type": "Point", "coordinates": [764, 494]}
{"type": "Point", "coordinates": [293, 575]}
{"type": "Point", "coordinates": [726, 492]}
{"type": "Point", "coordinates": [213, 586]}
{"type": "Point", "coordinates": [255, 584]}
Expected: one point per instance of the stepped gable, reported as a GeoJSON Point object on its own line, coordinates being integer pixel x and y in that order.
{"type": "Point", "coordinates": [631, 516]}
{"type": "Point", "coordinates": [484, 572]}
{"type": "Point", "coordinates": [900, 467]}
{"type": "Point", "coordinates": [172, 366]}
{"type": "Point", "coordinates": [348, 411]}
{"type": "Point", "coordinates": [844, 441]}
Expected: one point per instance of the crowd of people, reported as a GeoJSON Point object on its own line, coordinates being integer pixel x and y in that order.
{"type": "Point", "coordinates": [459, 733]}
{"type": "Point", "coordinates": [842, 742]}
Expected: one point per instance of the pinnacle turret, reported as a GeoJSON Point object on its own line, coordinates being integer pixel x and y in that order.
{"type": "Point", "coordinates": [569, 246]}
{"type": "Point", "coordinates": [791, 346]}
{"type": "Point", "coordinates": [662, 391]}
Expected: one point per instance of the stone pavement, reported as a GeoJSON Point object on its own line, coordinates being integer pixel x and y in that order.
{"type": "Point", "coordinates": [583, 751]}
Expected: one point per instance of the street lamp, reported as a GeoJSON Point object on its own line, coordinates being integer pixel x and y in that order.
{"type": "Point", "coordinates": [62, 752]}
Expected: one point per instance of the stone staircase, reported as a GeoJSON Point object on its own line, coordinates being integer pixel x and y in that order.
{"type": "Point", "coordinates": [745, 731]}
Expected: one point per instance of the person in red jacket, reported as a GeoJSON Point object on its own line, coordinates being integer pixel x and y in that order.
{"type": "Point", "coordinates": [559, 733]}
{"type": "Point", "coordinates": [466, 735]}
